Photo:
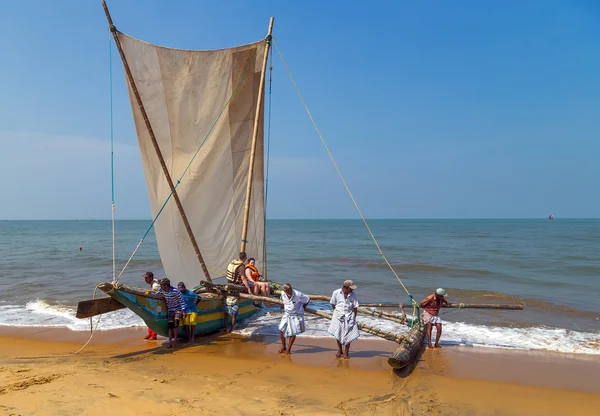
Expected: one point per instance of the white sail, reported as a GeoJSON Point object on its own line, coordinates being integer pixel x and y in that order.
{"type": "Point", "coordinates": [183, 93]}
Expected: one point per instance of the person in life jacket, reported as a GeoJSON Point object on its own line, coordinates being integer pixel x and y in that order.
{"type": "Point", "coordinates": [236, 274]}
{"type": "Point", "coordinates": [253, 276]}
{"type": "Point", "coordinates": [431, 308]}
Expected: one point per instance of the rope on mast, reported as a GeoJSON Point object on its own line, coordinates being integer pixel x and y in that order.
{"type": "Point", "coordinates": [112, 156]}
{"type": "Point", "coordinates": [267, 166]}
{"type": "Point", "coordinates": [340, 173]}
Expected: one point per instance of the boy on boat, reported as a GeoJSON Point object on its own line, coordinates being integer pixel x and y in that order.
{"type": "Point", "coordinates": [431, 308]}
{"type": "Point", "coordinates": [292, 321]}
{"type": "Point", "coordinates": [150, 280]}
{"type": "Point", "coordinates": [175, 308]}
{"type": "Point", "coordinates": [189, 322]}
{"type": "Point", "coordinates": [343, 322]}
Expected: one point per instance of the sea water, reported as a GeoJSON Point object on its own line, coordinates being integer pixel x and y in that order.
{"type": "Point", "coordinates": [551, 267]}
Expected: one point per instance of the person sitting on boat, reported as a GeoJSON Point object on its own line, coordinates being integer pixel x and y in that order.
{"type": "Point", "coordinates": [292, 321]}
{"type": "Point", "coordinates": [175, 308]}
{"type": "Point", "coordinates": [343, 322]}
{"type": "Point", "coordinates": [253, 278]}
{"type": "Point", "coordinates": [189, 322]}
{"type": "Point", "coordinates": [431, 308]}
{"type": "Point", "coordinates": [236, 274]}
{"type": "Point", "coordinates": [149, 279]}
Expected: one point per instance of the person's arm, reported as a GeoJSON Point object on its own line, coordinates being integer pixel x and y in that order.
{"type": "Point", "coordinates": [181, 302]}
{"type": "Point", "coordinates": [333, 301]}
{"type": "Point", "coordinates": [426, 301]}
{"type": "Point", "coordinates": [305, 300]}
{"type": "Point", "coordinates": [248, 273]}
{"type": "Point", "coordinates": [245, 282]}
{"type": "Point", "coordinates": [445, 302]}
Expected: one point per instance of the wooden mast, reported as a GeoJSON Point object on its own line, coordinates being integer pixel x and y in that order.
{"type": "Point", "coordinates": [261, 91]}
{"type": "Point", "coordinates": [163, 165]}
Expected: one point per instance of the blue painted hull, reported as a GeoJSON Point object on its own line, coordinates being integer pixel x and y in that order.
{"type": "Point", "coordinates": [153, 310]}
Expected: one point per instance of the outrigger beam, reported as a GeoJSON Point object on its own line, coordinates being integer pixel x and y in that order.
{"type": "Point", "coordinates": [163, 165]}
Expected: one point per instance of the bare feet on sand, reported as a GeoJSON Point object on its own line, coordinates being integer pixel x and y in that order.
{"type": "Point", "coordinates": [282, 350]}
{"type": "Point", "coordinates": [437, 346]}
{"type": "Point", "coordinates": [339, 354]}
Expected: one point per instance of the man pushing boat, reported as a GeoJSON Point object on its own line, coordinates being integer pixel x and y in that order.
{"type": "Point", "coordinates": [292, 321]}
{"type": "Point", "coordinates": [431, 308]}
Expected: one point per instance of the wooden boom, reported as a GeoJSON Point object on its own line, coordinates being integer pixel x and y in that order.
{"type": "Point", "coordinates": [400, 339]}
{"type": "Point", "coordinates": [510, 307]}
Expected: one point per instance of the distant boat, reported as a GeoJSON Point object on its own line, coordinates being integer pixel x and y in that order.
{"type": "Point", "coordinates": [551, 217]}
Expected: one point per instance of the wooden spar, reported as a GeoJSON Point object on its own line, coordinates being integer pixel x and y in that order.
{"type": "Point", "coordinates": [510, 307]}
{"type": "Point", "coordinates": [397, 305]}
{"type": "Point", "coordinates": [154, 142]}
{"type": "Point", "coordinates": [377, 314]}
{"type": "Point", "coordinates": [390, 336]}
{"type": "Point", "coordinates": [261, 90]}
{"type": "Point", "coordinates": [89, 308]}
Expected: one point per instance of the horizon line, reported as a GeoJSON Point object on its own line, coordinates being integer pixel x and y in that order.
{"type": "Point", "coordinates": [326, 219]}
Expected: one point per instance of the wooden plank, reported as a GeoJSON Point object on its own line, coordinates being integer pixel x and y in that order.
{"type": "Point", "coordinates": [88, 308]}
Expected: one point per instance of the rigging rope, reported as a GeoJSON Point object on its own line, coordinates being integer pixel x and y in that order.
{"type": "Point", "coordinates": [251, 65]}
{"type": "Point", "coordinates": [92, 332]}
{"type": "Point", "coordinates": [112, 155]}
{"type": "Point", "coordinates": [267, 165]}
{"type": "Point", "coordinates": [340, 173]}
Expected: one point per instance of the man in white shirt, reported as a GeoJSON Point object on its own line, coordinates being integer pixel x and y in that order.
{"type": "Point", "coordinates": [292, 321]}
{"type": "Point", "coordinates": [343, 322]}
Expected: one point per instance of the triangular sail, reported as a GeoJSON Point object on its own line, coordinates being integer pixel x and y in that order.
{"type": "Point", "coordinates": [183, 93]}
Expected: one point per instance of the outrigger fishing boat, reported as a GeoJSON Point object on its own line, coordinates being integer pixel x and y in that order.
{"type": "Point", "coordinates": [199, 117]}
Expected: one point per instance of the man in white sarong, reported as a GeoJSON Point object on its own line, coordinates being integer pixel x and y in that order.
{"type": "Point", "coordinates": [292, 322]}
{"type": "Point", "coordinates": [343, 323]}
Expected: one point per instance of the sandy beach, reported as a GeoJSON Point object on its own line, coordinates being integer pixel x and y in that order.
{"type": "Point", "coordinates": [119, 373]}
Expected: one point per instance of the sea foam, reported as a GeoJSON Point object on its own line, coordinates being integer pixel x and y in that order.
{"type": "Point", "coordinates": [40, 313]}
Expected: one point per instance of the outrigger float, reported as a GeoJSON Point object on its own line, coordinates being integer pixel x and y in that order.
{"type": "Point", "coordinates": [199, 117]}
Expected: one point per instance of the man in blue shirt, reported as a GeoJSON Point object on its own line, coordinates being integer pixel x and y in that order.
{"type": "Point", "coordinates": [189, 322]}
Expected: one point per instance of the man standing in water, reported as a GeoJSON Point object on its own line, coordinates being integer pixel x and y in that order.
{"type": "Point", "coordinates": [236, 274]}
{"type": "Point", "coordinates": [343, 323]}
{"type": "Point", "coordinates": [431, 308]}
{"type": "Point", "coordinates": [149, 279]}
{"type": "Point", "coordinates": [292, 321]}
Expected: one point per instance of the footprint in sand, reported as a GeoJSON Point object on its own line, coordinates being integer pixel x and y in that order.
{"type": "Point", "coordinates": [28, 382]}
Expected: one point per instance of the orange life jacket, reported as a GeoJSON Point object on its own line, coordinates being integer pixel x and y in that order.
{"type": "Point", "coordinates": [255, 275]}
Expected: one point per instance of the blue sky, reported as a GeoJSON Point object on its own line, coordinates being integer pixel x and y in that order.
{"type": "Point", "coordinates": [464, 109]}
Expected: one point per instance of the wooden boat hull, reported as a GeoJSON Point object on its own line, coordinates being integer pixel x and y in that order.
{"type": "Point", "coordinates": [153, 310]}
{"type": "Point", "coordinates": [408, 350]}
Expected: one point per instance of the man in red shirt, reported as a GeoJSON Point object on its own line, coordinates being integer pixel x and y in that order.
{"type": "Point", "coordinates": [431, 308]}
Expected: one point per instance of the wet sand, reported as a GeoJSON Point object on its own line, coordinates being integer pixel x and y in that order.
{"type": "Point", "coordinates": [119, 373]}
